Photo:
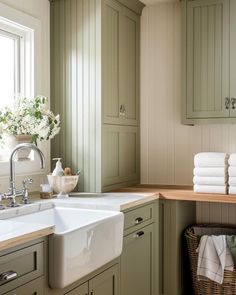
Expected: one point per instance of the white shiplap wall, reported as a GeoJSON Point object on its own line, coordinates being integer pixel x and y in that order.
{"type": "Point", "coordinates": [167, 147]}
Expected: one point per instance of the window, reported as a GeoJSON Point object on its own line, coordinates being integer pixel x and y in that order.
{"type": "Point", "coordinates": [16, 66]}
{"type": "Point", "coordinates": [10, 67]}
{"type": "Point", "coordinates": [16, 60]}
{"type": "Point", "coordinates": [21, 50]}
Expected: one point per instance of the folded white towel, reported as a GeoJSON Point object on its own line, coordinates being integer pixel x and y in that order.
{"type": "Point", "coordinates": [232, 160]}
{"type": "Point", "coordinates": [213, 258]}
{"type": "Point", "coordinates": [232, 171]}
{"type": "Point", "coordinates": [211, 160]}
{"type": "Point", "coordinates": [210, 171]}
{"type": "Point", "coordinates": [210, 189]}
{"type": "Point", "coordinates": [202, 180]}
{"type": "Point", "coordinates": [232, 180]}
{"type": "Point", "coordinates": [232, 190]}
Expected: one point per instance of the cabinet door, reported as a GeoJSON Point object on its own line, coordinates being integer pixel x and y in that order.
{"type": "Point", "coordinates": [106, 283]}
{"type": "Point", "coordinates": [207, 59]}
{"type": "Point", "coordinates": [120, 154]}
{"type": "Point", "coordinates": [35, 287]}
{"type": "Point", "coordinates": [120, 75]}
{"type": "Point", "coordinates": [111, 60]}
{"type": "Point", "coordinates": [233, 58]}
{"type": "Point", "coordinates": [136, 262]}
{"type": "Point", "coordinates": [81, 290]}
{"type": "Point", "coordinates": [129, 67]}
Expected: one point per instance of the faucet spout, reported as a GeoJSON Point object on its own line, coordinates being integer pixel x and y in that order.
{"type": "Point", "coordinates": [12, 156]}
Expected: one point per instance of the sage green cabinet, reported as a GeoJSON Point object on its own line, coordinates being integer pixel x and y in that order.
{"type": "Point", "coordinates": [81, 290]}
{"type": "Point", "coordinates": [139, 262]}
{"type": "Point", "coordinates": [105, 283]}
{"type": "Point", "coordinates": [209, 31]}
{"type": "Point", "coordinates": [35, 287]}
{"type": "Point", "coordinates": [121, 67]}
{"type": "Point", "coordinates": [21, 265]}
{"type": "Point", "coordinates": [175, 216]}
{"type": "Point", "coordinates": [120, 155]}
{"type": "Point", "coordinates": [136, 262]}
{"type": "Point", "coordinates": [94, 84]}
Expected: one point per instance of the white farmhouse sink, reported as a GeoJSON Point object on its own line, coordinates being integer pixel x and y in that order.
{"type": "Point", "coordinates": [83, 241]}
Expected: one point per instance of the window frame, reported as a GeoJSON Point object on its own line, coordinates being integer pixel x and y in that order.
{"type": "Point", "coordinates": [30, 28]}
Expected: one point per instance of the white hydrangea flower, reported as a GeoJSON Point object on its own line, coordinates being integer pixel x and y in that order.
{"type": "Point", "coordinates": [29, 116]}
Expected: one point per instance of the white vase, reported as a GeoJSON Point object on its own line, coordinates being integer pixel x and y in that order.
{"type": "Point", "coordinates": [14, 140]}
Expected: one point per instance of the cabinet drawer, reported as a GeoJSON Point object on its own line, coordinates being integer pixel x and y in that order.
{"type": "Point", "coordinates": [138, 216]}
{"type": "Point", "coordinates": [20, 267]}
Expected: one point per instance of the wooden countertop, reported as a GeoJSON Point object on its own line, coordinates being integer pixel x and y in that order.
{"type": "Point", "coordinates": [150, 192]}
{"type": "Point", "coordinates": [25, 237]}
{"type": "Point", "coordinates": [181, 193]}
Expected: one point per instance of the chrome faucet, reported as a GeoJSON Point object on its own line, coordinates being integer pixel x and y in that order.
{"type": "Point", "coordinates": [12, 192]}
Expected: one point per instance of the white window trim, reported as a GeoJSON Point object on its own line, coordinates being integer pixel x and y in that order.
{"type": "Point", "coordinates": [26, 168]}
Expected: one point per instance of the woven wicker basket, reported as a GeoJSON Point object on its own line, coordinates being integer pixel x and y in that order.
{"type": "Point", "coordinates": [208, 287]}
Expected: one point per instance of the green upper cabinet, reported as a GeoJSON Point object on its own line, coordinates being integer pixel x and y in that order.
{"type": "Point", "coordinates": [121, 65]}
{"type": "Point", "coordinates": [209, 35]}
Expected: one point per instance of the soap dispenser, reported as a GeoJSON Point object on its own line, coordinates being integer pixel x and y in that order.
{"type": "Point", "coordinates": [58, 171]}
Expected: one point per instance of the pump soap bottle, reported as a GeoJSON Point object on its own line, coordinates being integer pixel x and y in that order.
{"type": "Point", "coordinates": [58, 171]}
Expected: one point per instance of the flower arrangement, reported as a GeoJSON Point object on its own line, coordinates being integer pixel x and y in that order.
{"type": "Point", "coordinates": [29, 117]}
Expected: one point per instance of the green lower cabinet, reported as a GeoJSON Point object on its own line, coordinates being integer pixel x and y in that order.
{"type": "Point", "coordinates": [81, 290]}
{"type": "Point", "coordinates": [136, 262]}
{"type": "Point", "coordinates": [105, 283]}
{"type": "Point", "coordinates": [35, 287]}
{"type": "Point", "coordinates": [175, 216]}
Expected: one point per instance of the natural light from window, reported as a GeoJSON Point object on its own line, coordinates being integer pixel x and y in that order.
{"type": "Point", "coordinates": [9, 68]}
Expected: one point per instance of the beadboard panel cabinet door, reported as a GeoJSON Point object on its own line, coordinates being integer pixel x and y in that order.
{"type": "Point", "coordinates": [208, 68]}
{"type": "Point", "coordinates": [120, 154]}
{"type": "Point", "coordinates": [232, 59]}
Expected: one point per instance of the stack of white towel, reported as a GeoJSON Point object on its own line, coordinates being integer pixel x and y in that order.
{"type": "Point", "coordinates": [232, 174]}
{"type": "Point", "coordinates": [211, 173]}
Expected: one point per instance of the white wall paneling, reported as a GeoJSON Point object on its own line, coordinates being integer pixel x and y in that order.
{"type": "Point", "coordinates": [167, 147]}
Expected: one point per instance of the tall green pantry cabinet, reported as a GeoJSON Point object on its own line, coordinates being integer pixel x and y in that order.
{"type": "Point", "coordinates": [95, 55]}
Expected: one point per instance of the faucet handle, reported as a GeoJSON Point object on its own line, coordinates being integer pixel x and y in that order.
{"type": "Point", "coordinates": [26, 182]}
{"type": "Point", "coordinates": [2, 197]}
